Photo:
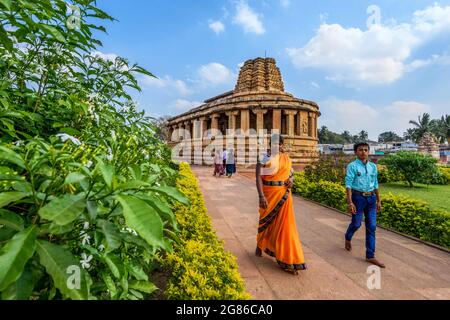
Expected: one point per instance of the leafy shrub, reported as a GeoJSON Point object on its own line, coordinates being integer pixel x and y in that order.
{"type": "Point", "coordinates": [415, 218]}
{"type": "Point", "coordinates": [329, 193]}
{"type": "Point", "coordinates": [329, 168]}
{"type": "Point", "coordinates": [202, 269]}
{"type": "Point", "coordinates": [300, 183]}
{"type": "Point", "coordinates": [412, 165]}
{"type": "Point", "coordinates": [385, 175]}
{"type": "Point", "coordinates": [84, 182]}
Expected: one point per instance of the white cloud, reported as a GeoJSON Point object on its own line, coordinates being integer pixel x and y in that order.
{"type": "Point", "coordinates": [215, 73]}
{"type": "Point", "coordinates": [105, 56]}
{"type": "Point", "coordinates": [166, 82]}
{"type": "Point", "coordinates": [217, 26]}
{"type": "Point", "coordinates": [354, 116]}
{"type": "Point", "coordinates": [285, 3]}
{"type": "Point", "coordinates": [379, 55]}
{"type": "Point", "coordinates": [184, 105]}
{"type": "Point", "coordinates": [248, 19]}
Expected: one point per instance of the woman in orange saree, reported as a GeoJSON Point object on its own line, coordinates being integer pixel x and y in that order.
{"type": "Point", "coordinates": [277, 231]}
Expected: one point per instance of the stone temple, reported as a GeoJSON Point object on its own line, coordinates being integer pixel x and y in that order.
{"type": "Point", "coordinates": [258, 104]}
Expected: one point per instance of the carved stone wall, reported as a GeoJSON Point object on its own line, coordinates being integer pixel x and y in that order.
{"type": "Point", "coordinates": [260, 74]}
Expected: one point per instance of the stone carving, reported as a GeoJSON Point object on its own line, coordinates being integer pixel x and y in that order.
{"type": "Point", "coordinates": [429, 145]}
{"type": "Point", "coordinates": [305, 126]}
{"type": "Point", "coordinates": [260, 74]}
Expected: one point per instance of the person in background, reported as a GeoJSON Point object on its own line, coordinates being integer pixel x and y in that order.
{"type": "Point", "coordinates": [231, 162]}
{"type": "Point", "coordinates": [218, 163]}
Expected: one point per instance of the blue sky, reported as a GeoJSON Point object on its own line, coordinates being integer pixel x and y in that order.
{"type": "Point", "coordinates": [372, 77]}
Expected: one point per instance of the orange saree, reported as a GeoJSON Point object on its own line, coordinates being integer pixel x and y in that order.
{"type": "Point", "coordinates": [277, 231]}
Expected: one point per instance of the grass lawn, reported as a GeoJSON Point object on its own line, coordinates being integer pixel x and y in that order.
{"type": "Point", "coordinates": [436, 195]}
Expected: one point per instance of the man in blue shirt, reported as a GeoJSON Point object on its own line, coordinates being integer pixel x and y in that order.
{"type": "Point", "coordinates": [363, 196]}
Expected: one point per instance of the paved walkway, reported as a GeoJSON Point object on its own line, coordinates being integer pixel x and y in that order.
{"type": "Point", "coordinates": [413, 270]}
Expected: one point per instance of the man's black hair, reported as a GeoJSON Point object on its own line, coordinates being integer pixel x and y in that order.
{"type": "Point", "coordinates": [359, 144]}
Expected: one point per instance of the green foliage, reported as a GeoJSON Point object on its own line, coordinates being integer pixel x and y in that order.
{"type": "Point", "coordinates": [329, 168]}
{"type": "Point", "coordinates": [85, 184]}
{"type": "Point", "coordinates": [413, 166]}
{"type": "Point", "coordinates": [385, 175]}
{"type": "Point", "coordinates": [201, 268]}
{"type": "Point", "coordinates": [415, 218]}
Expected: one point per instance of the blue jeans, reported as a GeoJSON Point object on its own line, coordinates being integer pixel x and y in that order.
{"type": "Point", "coordinates": [368, 206]}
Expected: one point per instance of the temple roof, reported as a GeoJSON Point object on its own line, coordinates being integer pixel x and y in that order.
{"type": "Point", "coordinates": [259, 79]}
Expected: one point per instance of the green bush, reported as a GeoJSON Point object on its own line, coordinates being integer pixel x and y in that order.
{"type": "Point", "coordinates": [415, 167]}
{"type": "Point", "coordinates": [329, 193]}
{"type": "Point", "coordinates": [328, 167]}
{"type": "Point", "coordinates": [300, 183]}
{"type": "Point", "coordinates": [385, 175]}
{"type": "Point", "coordinates": [201, 268]}
{"type": "Point", "coordinates": [415, 218]}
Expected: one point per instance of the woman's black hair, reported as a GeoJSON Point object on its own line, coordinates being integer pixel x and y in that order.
{"type": "Point", "coordinates": [359, 144]}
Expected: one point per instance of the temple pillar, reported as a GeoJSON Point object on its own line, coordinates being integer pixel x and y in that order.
{"type": "Point", "coordinates": [232, 119]}
{"type": "Point", "coordinates": [290, 121]}
{"type": "Point", "coordinates": [215, 121]}
{"type": "Point", "coordinates": [276, 120]}
{"type": "Point", "coordinates": [187, 130]}
{"type": "Point", "coordinates": [245, 120]}
{"type": "Point", "coordinates": [310, 124]}
{"type": "Point", "coordinates": [259, 119]}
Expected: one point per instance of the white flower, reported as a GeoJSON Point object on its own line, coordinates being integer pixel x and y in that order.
{"type": "Point", "coordinates": [64, 137]}
{"type": "Point", "coordinates": [113, 134]}
{"type": "Point", "coordinates": [85, 238]}
{"type": "Point", "coordinates": [131, 231]}
{"type": "Point", "coordinates": [89, 164]}
{"type": "Point", "coordinates": [101, 247]}
{"type": "Point", "coordinates": [86, 225]}
{"type": "Point", "coordinates": [85, 261]}
{"type": "Point", "coordinates": [93, 96]}
{"type": "Point", "coordinates": [110, 155]}
{"type": "Point", "coordinates": [18, 143]}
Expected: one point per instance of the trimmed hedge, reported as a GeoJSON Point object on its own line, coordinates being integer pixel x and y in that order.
{"type": "Point", "coordinates": [416, 218]}
{"type": "Point", "coordinates": [201, 268]}
{"type": "Point", "coordinates": [404, 214]}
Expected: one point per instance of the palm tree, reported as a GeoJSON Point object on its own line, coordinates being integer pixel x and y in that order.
{"type": "Point", "coordinates": [422, 126]}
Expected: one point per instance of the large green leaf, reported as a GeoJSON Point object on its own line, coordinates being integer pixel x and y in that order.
{"type": "Point", "coordinates": [12, 196]}
{"type": "Point", "coordinates": [11, 156]}
{"type": "Point", "coordinates": [63, 210]}
{"type": "Point", "coordinates": [172, 193]}
{"type": "Point", "coordinates": [74, 177]}
{"type": "Point", "coordinates": [15, 254]}
{"type": "Point", "coordinates": [112, 234]}
{"type": "Point", "coordinates": [142, 218]}
{"type": "Point", "coordinates": [6, 4]}
{"type": "Point", "coordinates": [164, 210]}
{"type": "Point", "coordinates": [52, 31]}
{"type": "Point", "coordinates": [59, 264]}
{"type": "Point", "coordinates": [11, 220]}
{"type": "Point", "coordinates": [144, 286]}
{"type": "Point", "coordinates": [107, 172]}
{"type": "Point", "coordinates": [22, 288]}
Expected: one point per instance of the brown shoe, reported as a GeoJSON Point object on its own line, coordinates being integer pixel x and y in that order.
{"type": "Point", "coordinates": [258, 252]}
{"type": "Point", "coordinates": [376, 262]}
{"type": "Point", "coordinates": [348, 245]}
